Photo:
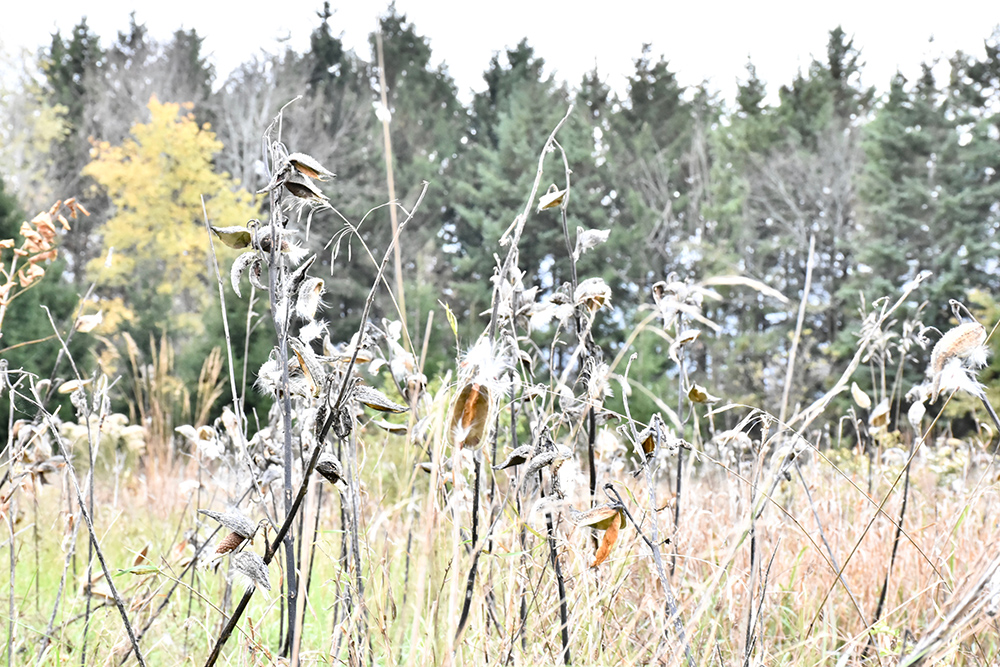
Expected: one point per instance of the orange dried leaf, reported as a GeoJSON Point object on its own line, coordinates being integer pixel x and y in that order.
{"type": "Point", "coordinates": [44, 256]}
{"type": "Point", "coordinates": [30, 274]}
{"type": "Point", "coordinates": [610, 537]}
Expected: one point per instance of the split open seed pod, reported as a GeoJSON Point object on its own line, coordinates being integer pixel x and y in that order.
{"type": "Point", "coordinates": [302, 187]}
{"type": "Point", "coordinates": [310, 166]}
{"type": "Point", "coordinates": [235, 237]}
{"type": "Point", "coordinates": [600, 517]}
{"type": "Point", "coordinates": [608, 517]}
{"type": "Point", "coordinates": [652, 436]}
{"type": "Point", "coordinates": [376, 400]}
{"type": "Point", "coordinates": [592, 293]}
{"type": "Point", "coordinates": [698, 394]}
{"type": "Point", "coordinates": [234, 520]}
{"type": "Point", "coordinates": [552, 198]}
{"type": "Point", "coordinates": [467, 425]}
{"type": "Point", "coordinates": [516, 457]}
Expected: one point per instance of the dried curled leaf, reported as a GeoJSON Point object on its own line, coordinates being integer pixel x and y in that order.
{"type": "Point", "coordinates": [470, 415]}
{"type": "Point", "coordinates": [309, 166]}
{"type": "Point", "coordinates": [610, 537]}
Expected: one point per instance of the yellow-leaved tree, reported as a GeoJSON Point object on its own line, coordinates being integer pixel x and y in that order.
{"type": "Point", "coordinates": [160, 274]}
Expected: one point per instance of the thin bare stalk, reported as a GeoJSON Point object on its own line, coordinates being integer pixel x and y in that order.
{"type": "Point", "coordinates": [798, 331]}
{"type": "Point", "coordinates": [390, 181]}
{"type": "Point", "coordinates": [11, 609]}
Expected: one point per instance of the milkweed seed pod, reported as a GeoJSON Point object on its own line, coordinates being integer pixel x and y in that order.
{"type": "Point", "coordinates": [551, 458]}
{"type": "Point", "coordinates": [609, 518]}
{"type": "Point", "coordinates": [962, 346]}
{"type": "Point", "coordinates": [481, 381]}
{"type": "Point", "coordinates": [302, 187]}
{"type": "Point", "coordinates": [599, 517]}
{"type": "Point", "coordinates": [552, 198]}
{"type": "Point", "coordinates": [253, 567]}
{"type": "Point", "coordinates": [470, 415]}
{"type": "Point", "coordinates": [309, 166]}
{"type": "Point", "coordinates": [592, 293]}
{"type": "Point", "coordinates": [235, 521]}
{"type": "Point", "coordinates": [376, 400]}
{"type": "Point", "coordinates": [516, 457]}
{"type": "Point", "coordinates": [329, 467]}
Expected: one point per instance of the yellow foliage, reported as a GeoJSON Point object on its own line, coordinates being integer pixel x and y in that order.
{"type": "Point", "coordinates": [156, 180]}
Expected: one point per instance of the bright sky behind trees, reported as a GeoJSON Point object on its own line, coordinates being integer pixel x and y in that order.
{"type": "Point", "coordinates": [700, 40]}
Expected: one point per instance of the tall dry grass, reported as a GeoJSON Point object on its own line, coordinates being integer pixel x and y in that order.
{"type": "Point", "coordinates": [769, 543]}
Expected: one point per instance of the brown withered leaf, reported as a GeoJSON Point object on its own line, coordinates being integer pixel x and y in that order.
{"type": "Point", "coordinates": [310, 166]}
{"type": "Point", "coordinates": [470, 415]}
{"type": "Point", "coordinates": [603, 551]}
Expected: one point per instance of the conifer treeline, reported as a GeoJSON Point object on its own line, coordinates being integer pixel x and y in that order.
{"type": "Point", "coordinates": [889, 185]}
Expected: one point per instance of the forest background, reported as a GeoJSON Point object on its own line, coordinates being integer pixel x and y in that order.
{"type": "Point", "coordinates": [889, 185]}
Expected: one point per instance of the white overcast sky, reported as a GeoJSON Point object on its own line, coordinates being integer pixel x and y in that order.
{"type": "Point", "coordinates": [707, 40]}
